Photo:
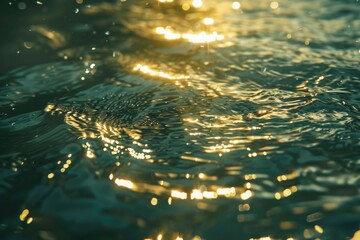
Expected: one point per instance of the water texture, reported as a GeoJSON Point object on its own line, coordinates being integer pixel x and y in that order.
{"type": "Point", "coordinates": [180, 119]}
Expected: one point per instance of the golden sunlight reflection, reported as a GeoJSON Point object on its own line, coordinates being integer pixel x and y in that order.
{"type": "Point", "coordinates": [165, 189]}
{"type": "Point", "coordinates": [178, 194]}
{"type": "Point", "coordinates": [110, 136]}
{"type": "Point", "coordinates": [356, 235]}
{"type": "Point", "coordinates": [227, 192]}
{"type": "Point", "coordinates": [285, 193]}
{"type": "Point", "coordinates": [218, 144]}
{"type": "Point", "coordinates": [236, 5]}
{"type": "Point", "coordinates": [246, 195]}
{"type": "Point", "coordinates": [262, 238]}
{"type": "Point", "coordinates": [154, 201]}
{"type": "Point", "coordinates": [55, 39]}
{"type": "Point", "coordinates": [89, 151]}
{"type": "Point", "coordinates": [197, 3]}
{"type": "Point", "coordinates": [201, 37]}
{"type": "Point", "coordinates": [155, 73]}
{"type": "Point", "coordinates": [24, 214]}
{"type": "Point", "coordinates": [208, 21]}
{"type": "Point", "coordinates": [124, 183]}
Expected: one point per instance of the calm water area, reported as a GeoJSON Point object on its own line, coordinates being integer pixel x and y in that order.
{"type": "Point", "coordinates": [180, 119]}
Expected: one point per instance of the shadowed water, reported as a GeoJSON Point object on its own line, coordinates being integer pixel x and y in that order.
{"type": "Point", "coordinates": [180, 120]}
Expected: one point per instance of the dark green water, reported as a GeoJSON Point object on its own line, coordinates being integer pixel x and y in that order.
{"type": "Point", "coordinates": [143, 120]}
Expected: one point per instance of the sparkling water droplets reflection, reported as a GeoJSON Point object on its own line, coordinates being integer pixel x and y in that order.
{"type": "Point", "coordinates": [185, 114]}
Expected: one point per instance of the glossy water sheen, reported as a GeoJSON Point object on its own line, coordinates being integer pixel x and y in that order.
{"type": "Point", "coordinates": [114, 126]}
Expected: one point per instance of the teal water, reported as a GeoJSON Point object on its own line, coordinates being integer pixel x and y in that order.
{"type": "Point", "coordinates": [180, 119]}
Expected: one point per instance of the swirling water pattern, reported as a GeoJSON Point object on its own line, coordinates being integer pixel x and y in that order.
{"type": "Point", "coordinates": [180, 120]}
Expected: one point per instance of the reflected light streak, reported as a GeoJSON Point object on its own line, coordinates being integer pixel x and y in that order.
{"type": "Point", "coordinates": [224, 148]}
{"type": "Point", "coordinates": [24, 214]}
{"type": "Point", "coordinates": [286, 192]}
{"type": "Point", "coordinates": [262, 238]}
{"type": "Point", "coordinates": [30, 220]}
{"type": "Point", "coordinates": [137, 155]}
{"type": "Point", "coordinates": [178, 194]}
{"type": "Point", "coordinates": [197, 194]}
{"type": "Point", "coordinates": [319, 229]}
{"type": "Point", "coordinates": [56, 39]}
{"type": "Point", "coordinates": [227, 192]}
{"type": "Point", "coordinates": [109, 134]}
{"type": "Point", "coordinates": [202, 37]}
{"type": "Point", "coordinates": [124, 183]}
{"type": "Point", "coordinates": [356, 235]}
{"type": "Point", "coordinates": [246, 195]}
{"type": "Point", "coordinates": [151, 72]}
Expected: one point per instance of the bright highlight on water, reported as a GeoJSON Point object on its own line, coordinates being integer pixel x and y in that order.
{"type": "Point", "coordinates": [180, 119]}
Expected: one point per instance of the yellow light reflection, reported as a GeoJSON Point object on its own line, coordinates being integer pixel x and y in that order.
{"type": "Point", "coordinates": [49, 107]}
{"type": "Point", "coordinates": [90, 153]}
{"type": "Point", "coordinates": [110, 135]}
{"type": "Point", "coordinates": [286, 192]}
{"type": "Point", "coordinates": [250, 177]}
{"type": "Point", "coordinates": [24, 214]}
{"type": "Point", "coordinates": [244, 207]}
{"type": "Point", "coordinates": [262, 238]}
{"type": "Point", "coordinates": [319, 229]}
{"type": "Point", "coordinates": [178, 194]}
{"type": "Point", "coordinates": [197, 3]}
{"type": "Point", "coordinates": [274, 5]}
{"type": "Point", "coordinates": [137, 155]}
{"type": "Point", "coordinates": [30, 220]}
{"type": "Point", "coordinates": [235, 5]}
{"type": "Point", "coordinates": [246, 195]}
{"type": "Point", "coordinates": [202, 37]}
{"type": "Point", "coordinates": [208, 21]}
{"type": "Point", "coordinates": [209, 195]}
{"type": "Point", "coordinates": [197, 194]}
{"type": "Point", "coordinates": [227, 192]}
{"type": "Point", "coordinates": [56, 39]}
{"type": "Point", "coordinates": [155, 73]}
{"type": "Point", "coordinates": [154, 201]}
{"type": "Point", "coordinates": [124, 183]}
{"type": "Point", "coordinates": [186, 7]}
{"type": "Point", "coordinates": [356, 235]}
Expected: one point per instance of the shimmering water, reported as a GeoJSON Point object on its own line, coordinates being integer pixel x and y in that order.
{"type": "Point", "coordinates": [180, 119]}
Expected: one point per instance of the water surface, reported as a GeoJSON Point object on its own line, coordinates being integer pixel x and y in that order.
{"type": "Point", "coordinates": [180, 119]}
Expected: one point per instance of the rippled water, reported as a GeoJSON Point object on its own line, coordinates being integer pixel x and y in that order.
{"type": "Point", "coordinates": [180, 119]}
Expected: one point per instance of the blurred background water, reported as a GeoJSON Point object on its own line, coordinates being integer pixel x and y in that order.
{"type": "Point", "coordinates": [180, 119]}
